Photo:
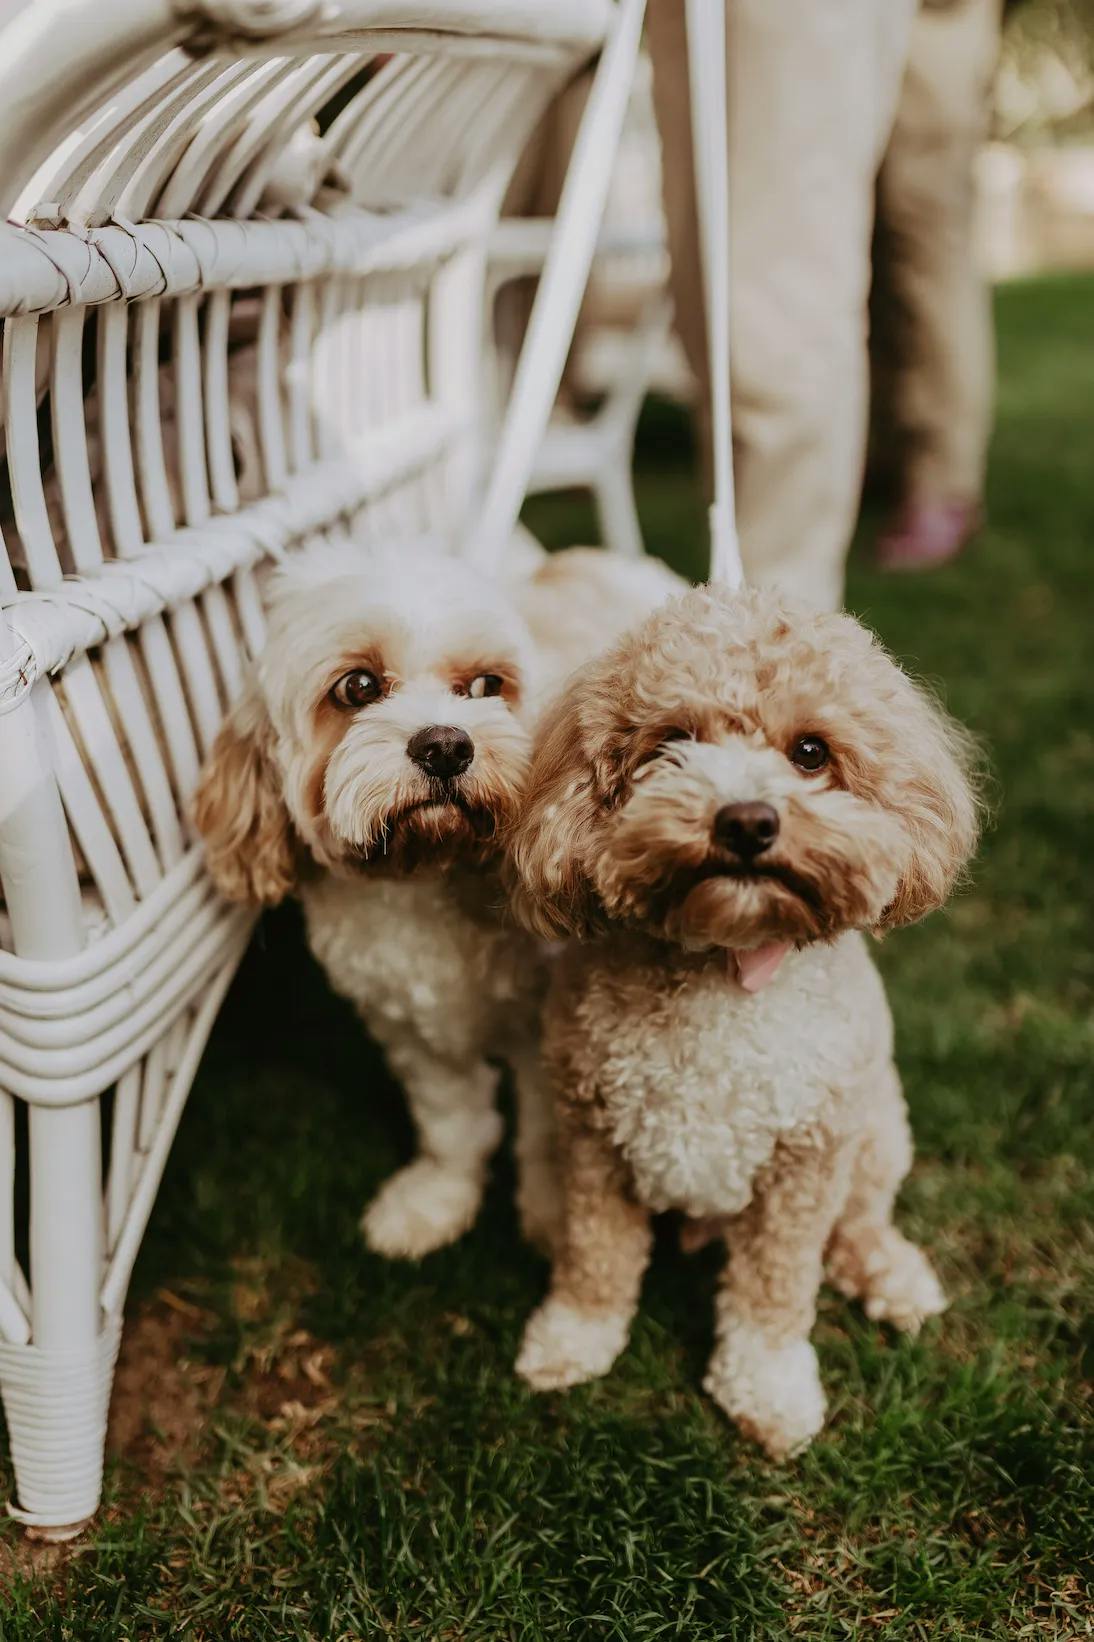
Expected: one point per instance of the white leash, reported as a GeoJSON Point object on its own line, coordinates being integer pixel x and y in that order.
{"type": "Point", "coordinates": [706, 32]}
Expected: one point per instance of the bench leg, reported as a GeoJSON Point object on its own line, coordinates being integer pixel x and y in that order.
{"type": "Point", "coordinates": [56, 1387]}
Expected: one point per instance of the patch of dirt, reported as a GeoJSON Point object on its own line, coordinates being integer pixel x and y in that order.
{"type": "Point", "coordinates": [158, 1418]}
{"type": "Point", "coordinates": [168, 1402]}
{"type": "Point", "coordinates": [295, 1387]}
{"type": "Point", "coordinates": [159, 1414]}
{"type": "Point", "coordinates": [24, 1558]}
{"type": "Point", "coordinates": [286, 1395]}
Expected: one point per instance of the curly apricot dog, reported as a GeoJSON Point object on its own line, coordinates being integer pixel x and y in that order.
{"type": "Point", "coordinates": [719, 805]}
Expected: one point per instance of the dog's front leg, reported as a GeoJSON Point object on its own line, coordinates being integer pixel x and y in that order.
{"type": "Point", "coordinates": [539, 1185]}
{"type": "Point", "coordinates": [435, 1199]}
{"type": "Point", "coordinates": [764, 1370]}
{"type": "Point", "coordinates": [582, 1326]}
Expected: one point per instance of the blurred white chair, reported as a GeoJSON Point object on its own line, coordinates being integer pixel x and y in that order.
{"type": "Point", "coordinates": [192, 388]}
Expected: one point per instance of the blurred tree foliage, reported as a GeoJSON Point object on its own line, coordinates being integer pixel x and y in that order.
{"type": "Point", "coordinates": [1045, 87]}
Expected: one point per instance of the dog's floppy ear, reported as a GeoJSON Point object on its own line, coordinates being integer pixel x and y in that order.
{"type": "Point", "coordinates": [240, 813]}
{"type": "Point", "coordinates": [933, 788]}
{"type": "Point", "coordinates": [549, 848]}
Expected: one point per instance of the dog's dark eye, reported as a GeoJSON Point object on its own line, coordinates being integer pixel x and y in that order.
{"type": "Point", "coordinates": [809, 753]}
{"type": "Point", "coordinates": [356, 689]}
{"type": "Point", "coordinates": [487, 684]}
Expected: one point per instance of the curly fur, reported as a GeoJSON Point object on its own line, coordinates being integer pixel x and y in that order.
{"type": "Point", "coordinates": [398, 871]}
{"type": "Point", "coordinates": [776, 1117]}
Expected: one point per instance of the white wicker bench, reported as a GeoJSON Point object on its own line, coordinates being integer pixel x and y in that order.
{"type": "Point", "coordinates": [157, 298]}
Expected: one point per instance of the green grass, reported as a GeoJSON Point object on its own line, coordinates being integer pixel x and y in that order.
{"type": "Point", "coordinates": [344, 1449]}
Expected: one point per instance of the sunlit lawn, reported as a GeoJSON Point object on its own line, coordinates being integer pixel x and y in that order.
{"type": "Point", "coordinates": [339, 1447]}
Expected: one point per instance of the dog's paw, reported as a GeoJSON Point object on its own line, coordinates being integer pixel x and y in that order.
{"type": "Point", "coordinates": [563, 1346]}
{"type": "Point", "coordinates": [420, 1209]}
{"type": "Point", "coordinates": [773, 1393]}
{"type": "Point", "coordinates": [892, 1277]}
{"type": "Point", "coordinates": [905, 1291]}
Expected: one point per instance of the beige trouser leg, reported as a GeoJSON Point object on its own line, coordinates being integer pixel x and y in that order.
{"type": "Point", "coordinates": [812, 92]}
{"type": "Point", "coordinates": [938, 376]}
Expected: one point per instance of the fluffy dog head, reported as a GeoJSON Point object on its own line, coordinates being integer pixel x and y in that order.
{"type": "Point", "coordinates": [382, 728]}
{"type": "Point", "coordinates": [736, 771]}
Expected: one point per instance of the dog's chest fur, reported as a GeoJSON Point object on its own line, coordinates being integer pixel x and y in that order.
{"type": "Point", "coordinates": [698, 1080]}
{"type": "Point", "coordinates": [426, 958]}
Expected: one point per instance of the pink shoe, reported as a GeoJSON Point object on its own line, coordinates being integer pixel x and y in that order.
{"type": "Point", "coordinates": [927, 534]}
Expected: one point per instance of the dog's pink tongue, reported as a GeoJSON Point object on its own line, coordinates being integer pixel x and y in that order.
{"type": "Point", "coordinates": [758, 965]}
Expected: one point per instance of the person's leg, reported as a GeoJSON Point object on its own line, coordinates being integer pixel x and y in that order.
{"type": "Point", "coordinates": [812, 92]}
{"type": "Point", "coordinates": [666, 42]}
{"type": "Point", "coordinates": [941, 379]}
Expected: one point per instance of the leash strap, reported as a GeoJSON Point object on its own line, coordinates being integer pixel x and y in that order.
{"type": "Point", "coordinates": [706, 34]}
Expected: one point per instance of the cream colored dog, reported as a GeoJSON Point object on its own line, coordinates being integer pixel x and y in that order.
{"type": "Point", "coordinates": [719, 805]}
{"type": "Point", "coordinates": [379, 750]}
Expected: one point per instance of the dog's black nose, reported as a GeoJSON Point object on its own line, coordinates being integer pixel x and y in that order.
{"type": "Point", "coordinates": [746, 829]}
{"type": "Point", "coordinates": [441, 750]}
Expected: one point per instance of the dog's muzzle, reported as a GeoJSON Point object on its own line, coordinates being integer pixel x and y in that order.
{"type": "Point", "coordinates": [746, 830]}
{"type": "Point", "coordinates": [441, 750]}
